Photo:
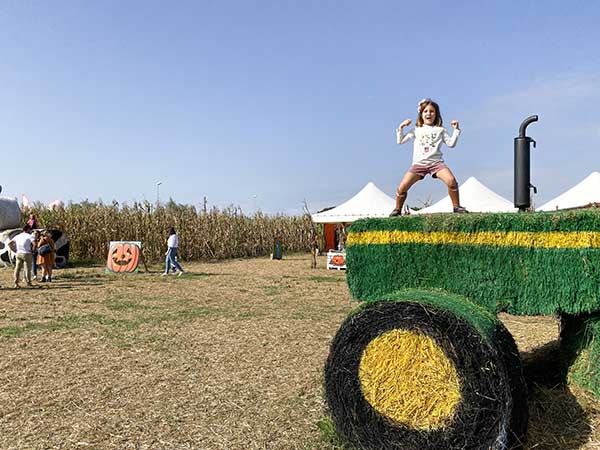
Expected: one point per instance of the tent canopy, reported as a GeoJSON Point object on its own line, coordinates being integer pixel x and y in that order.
{"type": "Point", "coordinates": [474, 196]}
{"type": "Point", "coordinates": [582, 194]}
{"type": "Point", "coordinates": [369, 202]}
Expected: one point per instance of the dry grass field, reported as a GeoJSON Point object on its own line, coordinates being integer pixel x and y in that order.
{"type": "Point", "coordinates": [229, 356]}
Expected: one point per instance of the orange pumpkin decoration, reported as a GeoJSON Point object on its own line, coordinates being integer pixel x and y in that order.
{"type": "Point", "coordinates": [123, 257]}
{"type": "Point", "coordinates": [338, 260]}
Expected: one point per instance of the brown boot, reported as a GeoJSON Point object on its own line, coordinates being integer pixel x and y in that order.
{"type": "Point", "coordinates": [400, 198]}
{"type": "Point", "coordinates": [455, 198]}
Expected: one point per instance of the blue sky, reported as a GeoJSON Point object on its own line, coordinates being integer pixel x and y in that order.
{"type": "Point", "coordinates": [262, 104]}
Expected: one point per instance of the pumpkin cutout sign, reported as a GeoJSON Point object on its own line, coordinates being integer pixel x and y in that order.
{"type": "Point", "coordinates": [123, 256]}
{"type": "Point", "coordinates": [336, 260]}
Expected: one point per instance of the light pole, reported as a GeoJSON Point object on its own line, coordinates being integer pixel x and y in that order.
{"type": "Point", "coordinates": [158, 193]}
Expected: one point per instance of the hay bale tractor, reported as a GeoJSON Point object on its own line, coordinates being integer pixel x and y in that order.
{"type": "Point", "coordinates": [424, 363]}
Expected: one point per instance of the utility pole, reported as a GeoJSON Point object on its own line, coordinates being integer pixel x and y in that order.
{"type": "Point", "coordinates": [158, 193]}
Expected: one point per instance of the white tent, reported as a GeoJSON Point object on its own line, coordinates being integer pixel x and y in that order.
{"type": "Point", "coordinates": [582, 194]}
{"type": "Point", "coordinates": [475, 197]}
{"type": "Point", "coordinates": [369, 202]}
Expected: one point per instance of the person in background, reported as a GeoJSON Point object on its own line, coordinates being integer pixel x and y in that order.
{"type": "Point", "coordinates": [35, 238]}
{"type": "Point", "coordinates": [33, 223]}
{"type": "Point", "coordinates": [46, 256]}
{"type": "Point", "coordinates": [171, 255]}
{"type": "Point", "coordinates": [314, 245]}
{"type": "Point", "coordinates": [21, 245]}
{"type": "Point", "coordinates": [341, 236]}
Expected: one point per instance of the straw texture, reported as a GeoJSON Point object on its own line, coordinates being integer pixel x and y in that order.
{"type": "Point", "coordinates": [524, 264]}
{"type": "Point", "coordinates": [580, 345]}
{"type": "Point", "coordinates": [484, 406]}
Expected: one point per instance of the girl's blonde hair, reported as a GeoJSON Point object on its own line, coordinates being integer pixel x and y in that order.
{"type": "Point", "coordinates": [438, 117]}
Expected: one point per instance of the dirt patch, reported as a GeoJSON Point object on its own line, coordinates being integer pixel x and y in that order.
{"type": "Point", "coordinates": [229, 356]}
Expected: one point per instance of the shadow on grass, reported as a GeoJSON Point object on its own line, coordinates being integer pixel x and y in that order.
{"type": "Point", "coordinates": [556, 419]}
{"type": "Point", "coordinates": [56, 285]}
{"type": "Point", "coordinates": [188, 275]}
{"type": "Point", "coordinates": [83, 263]}
{"type": "Point", "coordinates": [23, 287]}
{"type": "Point", "coordinates": [323, 279]}
{"type": "Point", "coordinates": [83, 276]}
{"type": "Point", "coordinates": [70, 285]}
{"type": "Point", "coordinates": [202, 274]}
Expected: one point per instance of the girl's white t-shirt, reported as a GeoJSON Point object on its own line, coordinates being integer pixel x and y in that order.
{"type": "Point", "coordinates": [173, 241]}
{"type": "Point", "coordinates": [428, 143]}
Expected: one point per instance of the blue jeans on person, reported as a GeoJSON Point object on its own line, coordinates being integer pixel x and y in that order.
{"type": "Point", "coordinates": [34, 263]}
{"type": "Point", "coordinates": [171, 261]}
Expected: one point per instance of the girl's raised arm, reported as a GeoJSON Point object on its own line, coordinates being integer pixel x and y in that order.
{"type": "Point", "coordinates": [450, 141]}
{"type": "Point", "coordinates": [401, 138]}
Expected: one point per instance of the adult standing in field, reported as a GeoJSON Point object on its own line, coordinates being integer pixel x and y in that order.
{"type": "Point", "coordinates": [314, 250]}
{"type": "Point", "coordinates": [34, 224]}
{"type": "Point", "coordinates": [22, 245]}
{"type": "Point", "coordinates": [46, 256]}
{"type": "Point", "coordinates": [35, 239]}
{"type": "Point", "coordinates": [171, 255]}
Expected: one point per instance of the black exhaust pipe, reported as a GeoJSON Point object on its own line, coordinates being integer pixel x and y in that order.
{"type": "Point", "coordinates": [522, 166]}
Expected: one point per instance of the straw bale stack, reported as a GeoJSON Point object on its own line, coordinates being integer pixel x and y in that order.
{"type": "Point", "coordinates": [10, 213]}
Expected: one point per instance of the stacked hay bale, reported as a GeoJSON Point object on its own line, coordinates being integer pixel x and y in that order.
{"type": "Point", "coordinates": [424, 363]}
{"type": "Point", "coordinates": [10, 213]}
{"type": "Point", "coordinates": [525, 264]}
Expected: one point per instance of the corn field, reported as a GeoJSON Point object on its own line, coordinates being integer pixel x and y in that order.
{"type": "Point", "coordinates": [203, 235]}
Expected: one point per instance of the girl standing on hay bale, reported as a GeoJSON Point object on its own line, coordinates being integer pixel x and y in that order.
{"type": "Point", "coordinates": [427, 155]}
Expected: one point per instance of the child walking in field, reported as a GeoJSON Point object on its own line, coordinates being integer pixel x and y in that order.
{"type": "Point", "coordinates": [427, 154]}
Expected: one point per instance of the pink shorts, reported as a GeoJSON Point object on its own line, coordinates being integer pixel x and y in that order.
{"type": "Point", "coordinates": [422, 171]}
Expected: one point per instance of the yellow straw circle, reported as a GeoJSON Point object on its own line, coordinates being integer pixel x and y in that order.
{"type": "Point", "coordinates": [406, 377]}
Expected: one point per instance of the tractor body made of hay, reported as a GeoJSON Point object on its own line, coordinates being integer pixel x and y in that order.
{"type": "Point", "coordinates": [424, 363]}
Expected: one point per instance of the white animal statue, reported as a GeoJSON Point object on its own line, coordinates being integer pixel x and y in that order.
{"type": "Point", "coordinates": [61, 243]}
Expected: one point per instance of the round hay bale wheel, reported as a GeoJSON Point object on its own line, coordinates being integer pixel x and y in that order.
{"type": "Point", "coordinates": [409, 375]}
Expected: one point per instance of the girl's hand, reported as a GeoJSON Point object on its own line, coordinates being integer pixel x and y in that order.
{"type": "Point", "coordinates": [406, 123]}
{"type": "Point", "coordinates": [454, 124]}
